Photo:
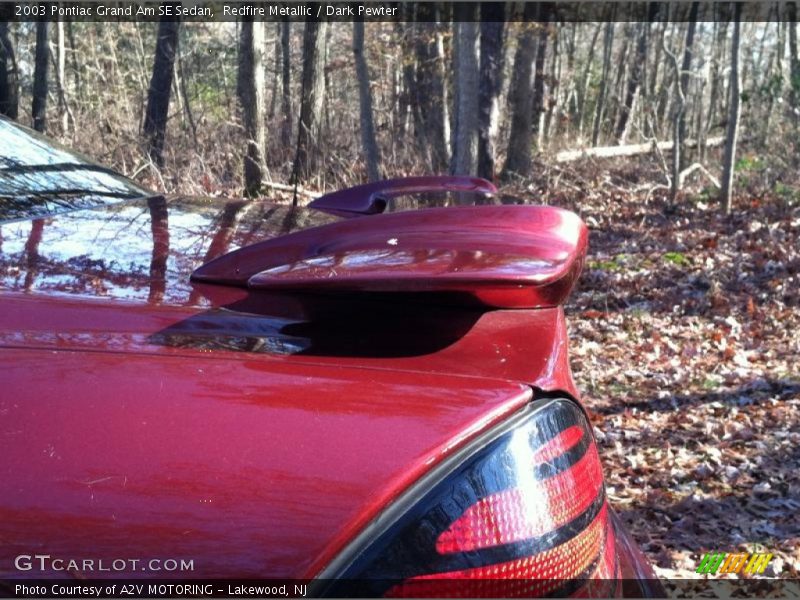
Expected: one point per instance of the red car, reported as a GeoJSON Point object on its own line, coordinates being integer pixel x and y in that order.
{"type": "Point", "coordinates": [196, 389]}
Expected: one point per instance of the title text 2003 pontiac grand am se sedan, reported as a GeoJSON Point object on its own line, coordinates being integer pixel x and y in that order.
{"type": "Point", "coordinates": [376, 401]}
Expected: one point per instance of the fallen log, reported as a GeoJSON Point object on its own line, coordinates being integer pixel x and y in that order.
{"type": "Point", "coordinates": [282, 187]}
{"type": "Point", "coordinates": [629, 149]}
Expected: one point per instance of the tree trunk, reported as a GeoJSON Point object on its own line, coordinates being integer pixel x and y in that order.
{"type": "Point", "coordinates": [518, 159]}
{"type": "Point", "coordinates": [313, 96]}
{"type": "Point", "coordinates": [465, 147]}
{"type": "Point", "coordinates": [491, 82]}
{"type": "Point", "coordinates": [734, 111]}
{"type": "Point", "coordinates": [370, 146]}
{"type": "Point", "coordinates": [176, 87]}
{"type": "Point", "coordinates": [677, 145]}
{"type": "Point", "coordinates": [794, 57]}
{"type": "Point", "coordinates": [583, 89]}
{"type": "Point", "coordinates": [634, 83]}
{"type": "Point", "coordinates": [76, 72]}
{"type": "Point", "coordinates": [42, 61]}
{"type": "Point", "coordinates": [699, 101]}
{"type": "Point", "coordinates": [616, 90]}
{"type": "Point", "coordinates": [9, 78]}
{"type": "Point", "coordinates": [720, 34]}
{"type": "Point", "coordinates": [428, 84]}
{"type": "Point", "coordinates": [157, 111]}
{"type": "Point", "coordinates": [61, 75]}
{"type": "Point", "coordinates": [276, 72]}
{"type": "Point", "coordinates": [608, 44]}
{"type": "Point", "coordinates": [538, 82]}
{"type": "Point", "coordinates": [684, 79]}
{"type": "Point", "coordinates": [406, 107]}
{"type": "Point", "coordinates": [250, 88]}
{"type": "Point", "coordinates": [184, 93]}
{"type": "Point", "coordinates": [773, 77]}
{"type": "Point", "coordinates": [657, 60]}
{"type": "Point", "coordinates": [286, 84]}
{"type": "Point", "coordinates": [553, 89]}
{"type": "Point", "coordinates": [440, 55]}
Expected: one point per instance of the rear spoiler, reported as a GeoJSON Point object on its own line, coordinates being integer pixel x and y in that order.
{"type": "Point", "coordinates": [373, 198]}
{"type": "Point", "coordinates": [498, 256]}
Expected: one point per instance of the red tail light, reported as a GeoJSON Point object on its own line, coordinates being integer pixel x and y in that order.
{"type": "Point", "coordinates": [524, 514]}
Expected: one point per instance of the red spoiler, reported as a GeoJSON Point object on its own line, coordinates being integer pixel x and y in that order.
{"type": "Point", "coordinates": [500, 256]}
{"type": "Point", "coordinates": [372, 198]}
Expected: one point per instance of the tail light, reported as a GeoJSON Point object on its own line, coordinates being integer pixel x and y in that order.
{"type": "Point", "coordinates": [522, 513]}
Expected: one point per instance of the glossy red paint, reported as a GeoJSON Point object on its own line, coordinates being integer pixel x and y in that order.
{"type": "Point", "coordinates": [372, 198]}
{"type": "Point", "coordinates": [227, 461]}
{"type": "Point", "coordinates": [530, 346]}
{"type": "Point", "coordinates": [499, 256]}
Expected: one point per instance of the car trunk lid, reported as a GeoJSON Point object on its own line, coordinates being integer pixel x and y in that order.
{"type": "Point", "coordinates": [245, 467]}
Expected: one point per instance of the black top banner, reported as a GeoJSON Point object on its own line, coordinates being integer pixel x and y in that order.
{"type": "Point", "coordinates": [425, 11]}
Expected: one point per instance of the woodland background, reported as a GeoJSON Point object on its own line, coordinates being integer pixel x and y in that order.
{"type": "Point", "coordinates": [674, 136]}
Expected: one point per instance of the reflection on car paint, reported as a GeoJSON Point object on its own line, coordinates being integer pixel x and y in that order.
{"type": "Point", "coordinates": [140, 250]}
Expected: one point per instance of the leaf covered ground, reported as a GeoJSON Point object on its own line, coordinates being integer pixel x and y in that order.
{"type": "Point", "coordinates": [685, 337]}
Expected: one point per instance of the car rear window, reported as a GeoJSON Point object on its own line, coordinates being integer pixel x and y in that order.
{"type": "Point", "coordinates": [38, 178]}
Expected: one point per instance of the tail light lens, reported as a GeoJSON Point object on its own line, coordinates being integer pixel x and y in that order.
{"type": "Point", "coordinates": [522, 514]}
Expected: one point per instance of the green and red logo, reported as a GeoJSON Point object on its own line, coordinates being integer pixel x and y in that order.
{"type": "Point", "coordinates": [721, 563]}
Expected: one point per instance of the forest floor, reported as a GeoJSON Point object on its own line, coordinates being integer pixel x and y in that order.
{"type": "Point", "coordinates": [685, 338]}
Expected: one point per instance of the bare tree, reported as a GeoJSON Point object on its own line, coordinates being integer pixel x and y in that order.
{"type": "Point", "coordinates": [720, 35]}
{"type": "Point", "coordinates": [491, 83]}
{"type": "Point", "coordinates": [313, 97]}
{"type": "Point", "coordinates": [600, 107]}
{"type": "Point", "coordinates": [794, 57]}
{"type": "Point", "coordinates": [39, 106]}
{"type": "Point", "coordinates": [183, 92]}
{"type": "Point", "coordinates": [76, 70]}
{"type": "Point", "coordinates": [286, 84]}
{"type": "Point", "coordinates": [518, 161]}
{"type": "Point", "coordinates": [551, 103]}
{"type": "Point", "coordinates": [734, 110]}
{"type": "Point", "coordinates": [634, 80]}
{"type": "Point", "coordinates": [157, 111]}
{"type": "Point", "coordinates": [427, 81]}
{"type": "Point", "coordinates": [680, 82]}
{"type": "Point", "coordinates": [582, 91]}
{"type": "Point", "coordinates": [371, 152]}
{"type": "Point", "coordinates": [9, 78]}
{"type": "Point", "coordinates": [61, 79]}
{"type": "Point", "coordinates": [250, 88]}
{"type": "Point", "coordinates": [465, 137]}
{"type": "Point", "coordinates": [405, 74]}
{"type": "Point", "coordinates": [685, 75]}
{"type": "Point", "coordinates": [539, 77]}
{"type": "Point", "coordinates": [680, 103]}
